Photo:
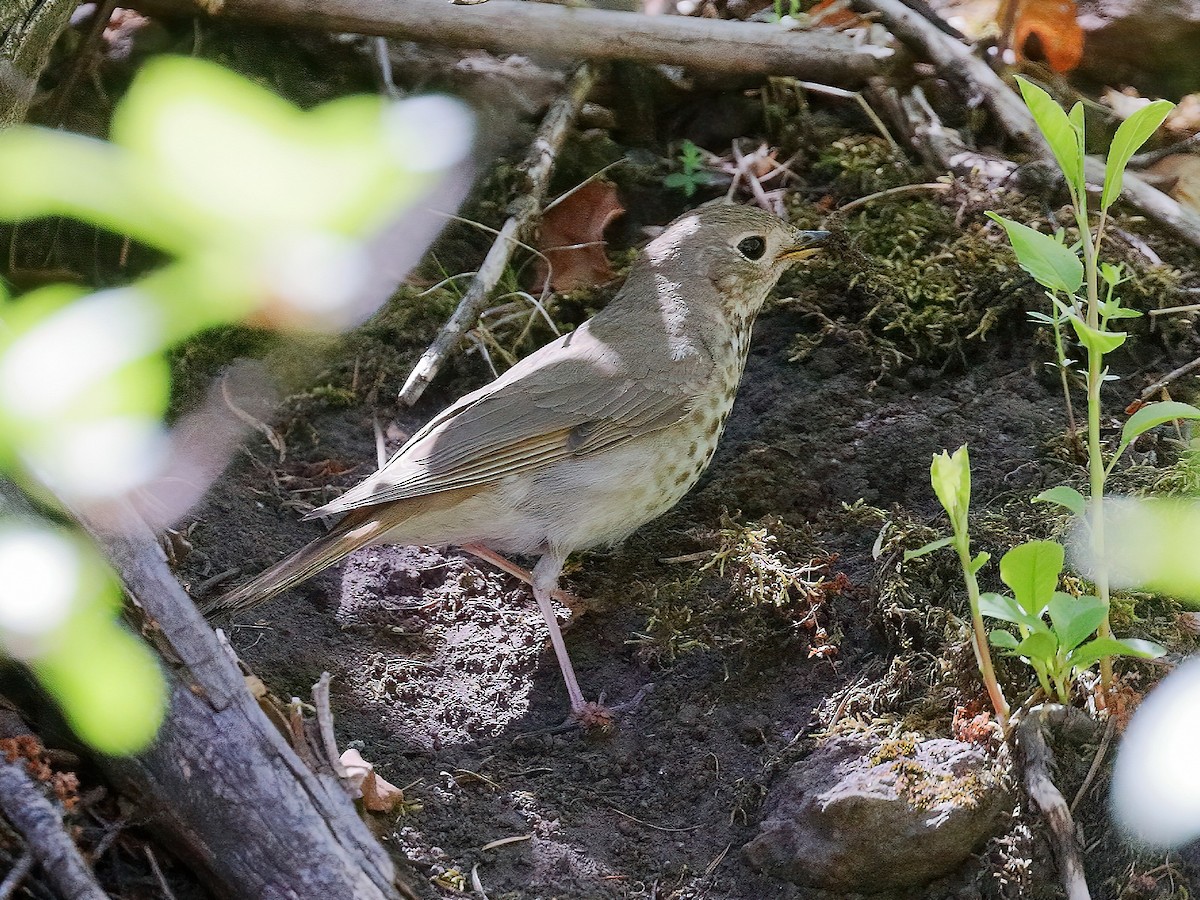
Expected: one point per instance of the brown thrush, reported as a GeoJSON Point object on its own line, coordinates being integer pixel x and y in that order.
{"type": "Point", "coordinates": [587, 439]}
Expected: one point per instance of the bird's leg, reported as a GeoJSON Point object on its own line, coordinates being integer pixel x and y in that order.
{"type": "Point", "coordinates": [545, 580]}
{"type": "Point", "coordinates": [572, 602]}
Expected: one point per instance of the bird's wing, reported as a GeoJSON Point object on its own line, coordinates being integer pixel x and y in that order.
{"type": "Point", "coordinates": [583, 400]}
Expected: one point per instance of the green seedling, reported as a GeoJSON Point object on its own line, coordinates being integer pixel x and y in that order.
{"type": "Point", "coordinates": [1082, 290]}
{"type": "Point", "coordinates": [1058, 649]}
{"type": "Point", "coordinates": [692, 176]}
{"type": "Point", "coordinates": [951, 477]}
{"type": "Point", "coordinates": [793, 9]}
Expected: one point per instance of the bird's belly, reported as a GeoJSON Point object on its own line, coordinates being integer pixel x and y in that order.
{"type": "Point", "coordinates": [585, 501]}
{"type": "Point", "coordinates": [605, 497]}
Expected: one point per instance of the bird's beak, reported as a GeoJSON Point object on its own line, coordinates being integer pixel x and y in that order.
{"type": "Point", "coordinates": [803, 248]}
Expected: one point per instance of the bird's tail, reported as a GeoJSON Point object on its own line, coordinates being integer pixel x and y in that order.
{"type": "Point", "coordinates": [352, 532]}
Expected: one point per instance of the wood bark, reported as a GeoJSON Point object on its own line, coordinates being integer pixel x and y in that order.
{"type": "Point", "coordinates": [28, 31]}
{"type": "Point", "coordinates": [41, 824]}
{"type": "Point", "coordinates": [221, 783]}
{"type": "Point", "coordinates": [222, 788]}
{"type": "Point", "coordinates": [513, 26]}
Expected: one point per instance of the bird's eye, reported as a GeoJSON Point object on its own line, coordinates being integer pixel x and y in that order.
{"type": "Point", "coordinates": [752, 247]}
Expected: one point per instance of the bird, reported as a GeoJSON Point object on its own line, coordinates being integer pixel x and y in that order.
{"type": "Point", "coordinates": [588, 438]}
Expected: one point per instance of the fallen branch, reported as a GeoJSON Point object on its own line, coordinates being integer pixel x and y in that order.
{"type": "Point", "coordinates": [41, 824]}
{"type": "Point", "coordinates": [538, 166]}
{"type": "Point", "coordinates": [1038, 758]}
{"type": "Point", "coordinates": [509, 26]}
{"type": "Point", "coordinates": [960, 66]}
{"type": "Point", "coordinates": [220, 784]}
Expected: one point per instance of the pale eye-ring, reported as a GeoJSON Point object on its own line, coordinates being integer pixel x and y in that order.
{"type": "Point", "coordinates": [752, 247]}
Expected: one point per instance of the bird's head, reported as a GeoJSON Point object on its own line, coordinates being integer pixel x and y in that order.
{"type": "Point", "coordinates": [741, 250]}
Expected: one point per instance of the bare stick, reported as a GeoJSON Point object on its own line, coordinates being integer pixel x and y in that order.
{"type": "Point", "coordinates": [320, 693]}
{"type": "Point", "coordinates": [1171, 376]}
{"type": "Point", "coordinates": [1031, 741]}
{"type": "Point", "coordinates": [956, 61]}
{"type": "Point", "coordinates": [41, 824]}
{"type": "Point", "coordinates": [507, 26]}
{"type": "Point", "coordinates": [16, 875]}
{"type": "Point", "coordinates": [538, 165]}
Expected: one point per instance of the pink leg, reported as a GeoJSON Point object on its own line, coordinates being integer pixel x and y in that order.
{"type": "Point", "coordinates": [572, 602]}
{"type": "Point", "coordinates": [545, 580]}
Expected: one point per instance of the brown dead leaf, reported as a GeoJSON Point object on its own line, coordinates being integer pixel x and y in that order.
{"type": "Point", "coordinates": [1054, 25]}
{"type": "Point", "coordinates": [377, 795]}
{"type": "Point", "coordinates": [1179, 175]}
{"type": "Point", "coordinates": [572, 238]}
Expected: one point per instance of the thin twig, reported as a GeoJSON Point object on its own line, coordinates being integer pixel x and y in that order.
{"type": "Point", "coordinates": [320, 693]}
{"type": "Point", "coordinates": [538, 166]}
{"type": "Point", "coordinates": [16, 875]}
{"type": "Point", "coordinates": [1109, 730]}
{"type": "Point", "coordinates": [857, 97]}
{"type": "Point", "coordinates": [901, 189]}
{"type": "Point", "coordinates": [41, 824]}
{"type": "Point", "coordinates": [1031, 741]}
{"type": "Point", "coordinates": [158, 873]}
{"type": "Point", "coordinates": [1171, 376]}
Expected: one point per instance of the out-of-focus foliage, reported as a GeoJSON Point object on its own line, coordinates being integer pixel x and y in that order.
{"type": "Point", "coordinates": [267, 214]}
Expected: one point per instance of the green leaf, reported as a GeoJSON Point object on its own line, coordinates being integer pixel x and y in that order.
{"type": "Point", "coordinates": [1153, 415]}
{"type": "Point", "coordinates": [1031, 570]}
{"type": "Point", "coordinates": [1040, 646]}
{"type": "Point", "coordinates": [1101, 647]}
{"type": "Point", "coordinates": [1094, 339]}
{"type": "Point", "coordinates": [686, 183]}
{"type": "Point", "coordinates": [1061, 134]}
{"type": "Point", "coordinates": [1052, 263]}
{"type": "Point", "coordinates": [928, 548]}
{"type": "Point", "coordinates": [951, 479]}
{"type": "Point", "coordinates": [980, 560]}
{"type": "Point", "coordinates": [1007, 609]}
{"type": "Point", "coordinates": [1131, 134]}
{"type": "Point", "coordinates": [1005, 640]}
{"type": "Point", "coordinates": [1064, 496]}
{"type": "Point", "coordinates": [1075, 618]}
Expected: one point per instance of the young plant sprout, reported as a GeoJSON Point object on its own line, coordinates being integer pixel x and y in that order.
{"type": "Point", "coordinates": [1074, 285]}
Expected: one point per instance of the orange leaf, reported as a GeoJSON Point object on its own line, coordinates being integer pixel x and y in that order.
{"type": "Point", "coordinates": [836, 18]}
{"type": "Point", "coordinates": [1055, 26]}
{"type": "Point", "coordinates": [572, 239]}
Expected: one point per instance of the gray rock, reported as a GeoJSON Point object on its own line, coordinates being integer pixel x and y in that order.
{"type": "Point", "coordinates": [860, 815]}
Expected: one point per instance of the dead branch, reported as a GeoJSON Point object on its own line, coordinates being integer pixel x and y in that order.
{"type": "Point", "coordinates": [509, 26]}
{"type": "Point", "coordinates": [28, 32]}
{"type": "Point", "coordinates": [537, 165]}
{"type": "Point", "coordinates": [220, 783]}
{"type": "Point", "coordinates": [41, 824]}
{"type": "Point", "coordinates": [960, 66]}
{"type": "Point", "coordinates": [1038, 759]}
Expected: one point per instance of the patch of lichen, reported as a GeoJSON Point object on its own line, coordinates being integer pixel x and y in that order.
{"type": "Point", "coordinates": [749, 596]}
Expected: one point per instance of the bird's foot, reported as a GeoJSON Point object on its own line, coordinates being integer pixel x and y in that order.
{"type": "Point", "coordinates": [597, 718]}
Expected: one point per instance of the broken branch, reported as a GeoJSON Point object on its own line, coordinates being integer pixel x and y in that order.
{"type": "Point", "coordinates": [538, 165]}
{"type": "Point", "coordinates": [41, 824]}
{"type": "Point", "coordinates": [508, 26]}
